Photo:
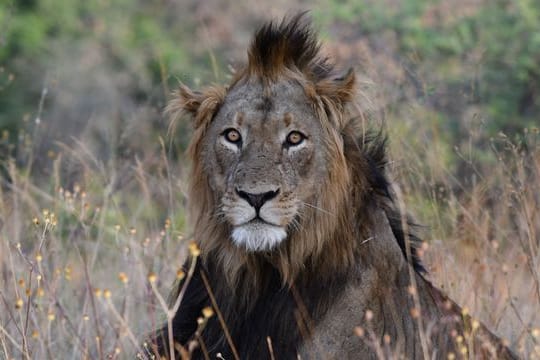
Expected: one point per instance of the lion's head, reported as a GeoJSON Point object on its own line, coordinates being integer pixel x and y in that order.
{"type": "Point", "coordinates": [278, 172]}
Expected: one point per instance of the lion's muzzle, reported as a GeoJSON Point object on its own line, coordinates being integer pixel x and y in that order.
{"type": "Point", "coordinates": [258, 220]}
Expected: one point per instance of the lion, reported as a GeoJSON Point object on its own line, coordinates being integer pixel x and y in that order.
{"type": "Point", "coordinates": [304, 252]}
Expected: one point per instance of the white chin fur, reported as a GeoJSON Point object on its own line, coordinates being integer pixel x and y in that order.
{"type": "Point", "coordinates": [258, 237]}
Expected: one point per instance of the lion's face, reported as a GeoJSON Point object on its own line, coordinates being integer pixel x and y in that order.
{"type": "Point", "coordinates": [265, 159]}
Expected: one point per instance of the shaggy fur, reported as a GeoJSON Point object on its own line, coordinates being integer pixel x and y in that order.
{"type": "Point", "coordinates": [309, 293]}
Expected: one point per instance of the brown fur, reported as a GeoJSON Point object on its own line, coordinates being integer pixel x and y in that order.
{"type": "Point", "coordinates": [358, 238]}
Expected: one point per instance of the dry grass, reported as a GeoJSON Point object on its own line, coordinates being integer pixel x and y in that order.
{"type": "Point", "coordinates": [87, 261]}
{"type": "Point", "coordinates": [482, 236]}
{"type": "Point", "coordinates": [86, 268]}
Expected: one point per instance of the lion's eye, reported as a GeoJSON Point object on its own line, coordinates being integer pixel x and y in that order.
{"type": "Point", "coordinates": [232, 136]}
{"type": "Point", "coordinates": [295, 138]}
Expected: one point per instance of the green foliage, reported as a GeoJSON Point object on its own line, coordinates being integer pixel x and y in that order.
{"type": "Point", "coordinates": [143, 41]}
{"type": "Point", "coordinates": [502, 37]}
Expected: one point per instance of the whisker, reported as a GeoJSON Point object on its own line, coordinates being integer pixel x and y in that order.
{"type": "Point", "coordinates": [317, 208]}
{"type": "Point", "coordinates": [295, 224]}
{"type": "Point", "coordinates": [219, 215]}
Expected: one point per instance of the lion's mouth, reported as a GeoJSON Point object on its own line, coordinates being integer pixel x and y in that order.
{"type": "Point", "coordinates": [257, 220]}
{"type": "Point", "coordinates": [258, 235]}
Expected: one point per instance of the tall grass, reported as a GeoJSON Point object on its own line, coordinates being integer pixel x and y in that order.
{"type": "Point", "coordinates": [86, 266]}
{"type": "Point", "coordinates": [482, 231]}
{"type": "Point", "coordinates": [91, 241]}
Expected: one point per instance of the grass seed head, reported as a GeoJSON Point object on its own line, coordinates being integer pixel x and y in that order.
{"type": "Point", "coordinates": [67, 273]}
{"type": "Point", "coordinates": [180, 274]}
{"type": "Point", "coordinates": [359, 331]}
{"type": "Point", "coordinates": [123, 277]}
{"type": "Point", "coordinates": [146, 242]}
{"type": "Point", "coordinates": [208, 312]}
{"type": "Point", "coordinates": [369, 315]}
{"type": "Point", "coordinates": [194, 249]}
{"type": "Point", "coordinates": [415, 313]}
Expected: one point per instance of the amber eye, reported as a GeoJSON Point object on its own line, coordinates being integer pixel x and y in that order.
{"type": "Point", "coordinates": [232, 135]}
{"type": "Point", "coordinates": [295, 138]}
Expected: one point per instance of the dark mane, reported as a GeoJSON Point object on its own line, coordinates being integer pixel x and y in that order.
{"type": "Point", "coordinates": [373, 146]}
{"type": "Point", "coordinates": [291, 45]}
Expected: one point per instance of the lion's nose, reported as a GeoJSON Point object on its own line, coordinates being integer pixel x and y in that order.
{"type": "Point", "coordinates": [257, 200]}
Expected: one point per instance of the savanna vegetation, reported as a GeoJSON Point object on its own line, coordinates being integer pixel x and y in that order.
{"type": "Point", "coordinates": [93, 230]}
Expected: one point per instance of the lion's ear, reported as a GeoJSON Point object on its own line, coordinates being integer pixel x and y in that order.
{"type": "Point", "coordinates": [189, 100]}
{"type": "Point", "coordinates": [340, 90]}
{"type": "Point", "coordinates": [201, 105]}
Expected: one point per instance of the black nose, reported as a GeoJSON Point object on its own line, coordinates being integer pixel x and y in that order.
{"type": "Point", "coordinates": [257, 200]}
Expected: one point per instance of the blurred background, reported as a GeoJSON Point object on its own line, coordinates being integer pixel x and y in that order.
{"type": "Point", "coordinates": [92, 182]}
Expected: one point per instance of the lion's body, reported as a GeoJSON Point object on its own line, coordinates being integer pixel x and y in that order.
{"type": "Point", "coordinates": [303, 251]}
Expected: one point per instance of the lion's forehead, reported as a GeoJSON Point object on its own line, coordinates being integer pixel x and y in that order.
{"type": "Point", "coordinates": [257, 102]}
